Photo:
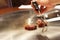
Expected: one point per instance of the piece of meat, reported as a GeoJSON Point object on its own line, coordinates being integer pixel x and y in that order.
{"type": "Point", "coordinates": [41, 23]}
{"type": "Point", "coordinates": [30, 27]}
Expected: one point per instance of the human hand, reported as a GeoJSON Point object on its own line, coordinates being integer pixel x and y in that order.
{"type": "Point", "coordinates": [47, 3]}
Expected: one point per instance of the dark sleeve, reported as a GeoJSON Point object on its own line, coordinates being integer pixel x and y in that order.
{"type": "Point", "coordinates": [20, 2]}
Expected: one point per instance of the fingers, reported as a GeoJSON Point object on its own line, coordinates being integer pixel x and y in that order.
{"type": "Point", "coordinates": [41, 8]}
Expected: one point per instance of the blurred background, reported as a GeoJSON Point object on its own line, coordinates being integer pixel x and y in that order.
{"type": "Point", "coordinates": [12, 20]}
{"type": "Point", "coordinates": [13, 3]}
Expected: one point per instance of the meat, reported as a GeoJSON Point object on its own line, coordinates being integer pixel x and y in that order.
{"type": "Point", "coordinates": [41, 23]}
{"type": "Point", "coordinates": [30, 27]}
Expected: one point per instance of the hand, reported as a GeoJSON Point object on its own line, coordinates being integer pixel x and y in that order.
{"type": "Point", "coordinates": [47, 3]}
